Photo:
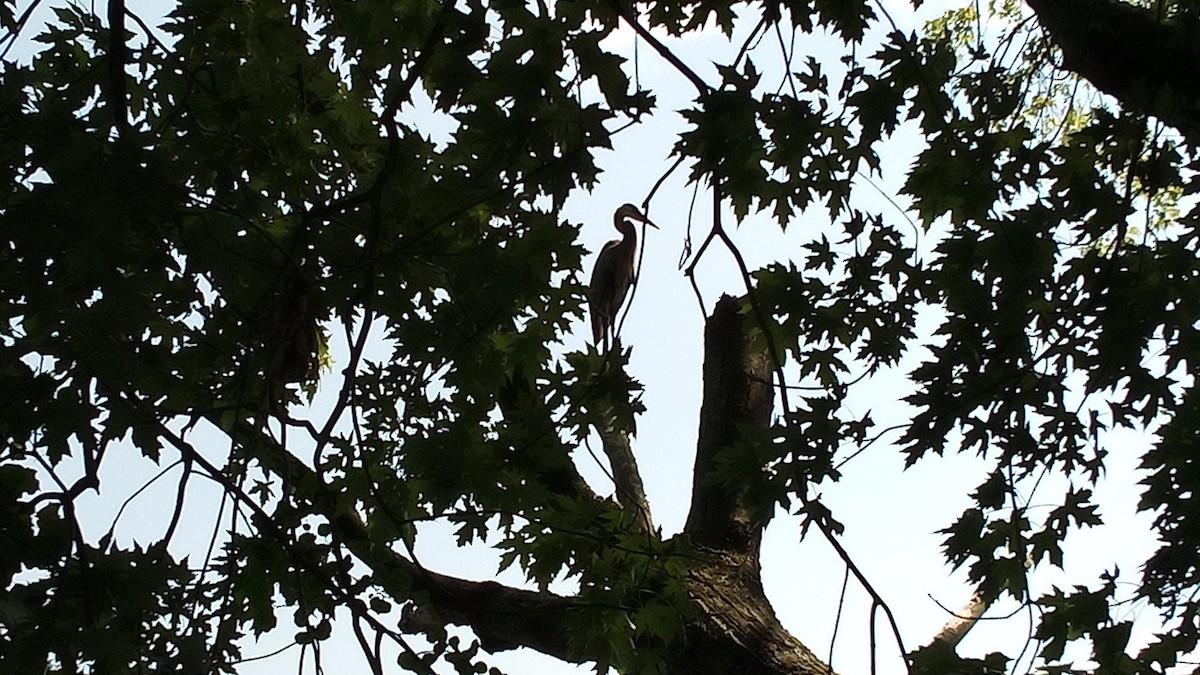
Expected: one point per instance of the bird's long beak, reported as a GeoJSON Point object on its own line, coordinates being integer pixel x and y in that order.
{"type": "Point", "coordinates": [646, 220]}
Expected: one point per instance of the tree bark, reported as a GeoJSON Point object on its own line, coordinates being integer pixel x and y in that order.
{"type": "Point", "coordinates": [627, 479]}
{"type": "Point", "coordinates": [736, 630]}
{"type": "Point", "coordinates": [1145, 61]}
{"type": "Point", "coordinates": [957, 627]}
{"type": "Point", "coordinates": [737, 393]}
{"type": "Point", "coordinates": [502, 617]}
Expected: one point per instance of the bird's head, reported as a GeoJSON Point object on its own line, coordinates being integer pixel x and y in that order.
{"type": "Point", "coordinates": [632, 212]}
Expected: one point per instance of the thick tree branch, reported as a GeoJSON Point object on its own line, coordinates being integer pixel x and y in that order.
{"type": "Point", "coordinates": [631, 494]}
{"type": "Point", "coordinates": [737, 395]}
{"type": "Point", "coordinates": [501, 617]}
{"type": "Point", "coordinates": [736, 631]}
{"type": "Point", "coordinates": [1130, 53]}
{"type": "Point", "coordinates": [524, 408]}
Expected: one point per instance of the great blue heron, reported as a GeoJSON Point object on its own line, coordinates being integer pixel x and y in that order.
{"type": "Point", "coordinates": [612, 275]}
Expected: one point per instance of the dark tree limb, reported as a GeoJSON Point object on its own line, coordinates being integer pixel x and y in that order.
{"type": "Point", "coordinates": [736, 630]}
{"type": "Point", "coordinates": [118, 54]}
{"type": "Point", "coordinates": [631, 494]}
{"type": "Point", "coordinates": [1132, 54]}
{"type": "Point", "coordinates": [737, 394]}
{"type": "Point", "coordinates": [522, 406]}
{"type": "Point", "coordinates": [501, 616]}
{"type": "Point", "coordinates": [631, 18]}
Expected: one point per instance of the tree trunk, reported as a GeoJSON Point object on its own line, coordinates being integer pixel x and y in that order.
{"type": "Point", "coordinates": [1144, 60]}
{"type": "Point", "coordinates": [736, 630]}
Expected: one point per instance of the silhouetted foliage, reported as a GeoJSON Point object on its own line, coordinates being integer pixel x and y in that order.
{"type": "Point", "coordinates": [193, 206]}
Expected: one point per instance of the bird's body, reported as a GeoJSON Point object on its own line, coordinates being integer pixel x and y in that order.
{"type": "Point", "coordinates": [613, 275]}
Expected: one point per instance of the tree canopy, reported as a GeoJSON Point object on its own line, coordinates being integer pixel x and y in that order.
{"type": "Point", "coordinates": [197, 204]}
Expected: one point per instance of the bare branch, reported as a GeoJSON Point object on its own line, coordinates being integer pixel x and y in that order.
{"type": "Point", "coordinates": [631, 494]}
{"type": "Point", "coordinates": [877, 601]}
{"type": "Point", "coordinates": [630, 18]}
{"type": "Point", "coordinates": [964, 620]}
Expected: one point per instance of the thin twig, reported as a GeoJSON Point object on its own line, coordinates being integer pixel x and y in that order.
{"type": "Point", "coordinates": [877, 600]}
{"type": "Point", "coordinates": [18, 27]}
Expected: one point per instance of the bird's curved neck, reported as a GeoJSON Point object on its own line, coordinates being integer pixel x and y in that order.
{"type": "Point", "coordinates": [625, 227]}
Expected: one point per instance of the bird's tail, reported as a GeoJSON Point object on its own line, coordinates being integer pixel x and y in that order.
{"type": "Point", "coordinates": [599, 324]}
